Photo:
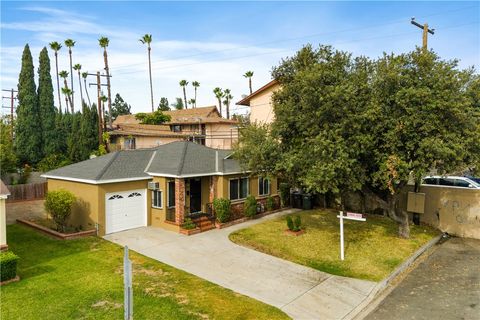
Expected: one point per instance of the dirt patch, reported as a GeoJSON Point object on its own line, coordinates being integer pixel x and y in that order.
{"type": "Point", "coordinates": [27, 210]}
{"type": "Point", "coordinates": [107, 304]}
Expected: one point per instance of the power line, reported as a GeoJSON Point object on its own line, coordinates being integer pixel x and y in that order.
{"type": "Point", "coordinates": [282, 51]}
{"type": "Point", "coordinates": [295, 38]}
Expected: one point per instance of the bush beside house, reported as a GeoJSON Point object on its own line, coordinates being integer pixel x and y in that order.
{"type": "Point", "coordinates": [8, 265]}
{"type": "Point", "coordinates": [59, 205]}
{"type": "Point", "coordinates": [250, 206]}
{"type": "Point", "coordinates": [222, 209]}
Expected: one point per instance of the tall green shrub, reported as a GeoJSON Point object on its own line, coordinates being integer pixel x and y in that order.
{"type": "Point", "coordinates": [47, 106]}
{"type": "Point", "coordinates": [290, 224]}
{"type": "Point", "coordinates": [59, 204]}
{"type": "Point", "coordinates": [28, 129]}
{"type": "Point", "coordinates": [250, 206]}
{"type": "Point", "coordinates": [8, 265]}
{"type": "Point", "coordinates": [222, 209]}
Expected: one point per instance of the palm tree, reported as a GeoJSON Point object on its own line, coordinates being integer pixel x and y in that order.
{"type": "Point", "coordinates": [104, 99]}
{"type": "Point", "coordinates": [84, 76]}
{"type": "Point", "coordinates": [192, 102]}
{"type": "Point", "coordinates": [219, 95]}
{"type": "Point", "coordinates": [228, 98]}
{"type": "Point", "coordinates": [195, 84]}
{"type": "Point", "coordinates": [67, 92]}
{"type": "Point", "coordinates": [64, 75]}
{"type": "Point", "coordinates": [77, 68]}
{"type": "Point", "coordinates": [103, 42]}
{"type": "Point", "coordinates": [70, 44]}
{"type": "Point", "coordinates": [55, 46]}
{"type": "Point", "coordinates": [183, 84]}
{"type": "Point", "coordinates": [147, 39]}
{"type": "Point", "coordinates": [249, 75]}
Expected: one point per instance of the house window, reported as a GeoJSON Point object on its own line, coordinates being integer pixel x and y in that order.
{"type": "Point", "coordinates": [157, 199]}
{"type": "Point", "coordinates": [129, 144]}
{"type": "Point", "coordinates": [263, 186]}
{"type": "Point", "coordinates": [238, 188]}
{"type": "Point", "coordinates": [176, 128]}
{"type": "Point", "coordinates": [171, 194]}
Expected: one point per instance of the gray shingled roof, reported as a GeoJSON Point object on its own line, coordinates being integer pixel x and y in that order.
{"type": "Point", "coordinates": [181, 158]}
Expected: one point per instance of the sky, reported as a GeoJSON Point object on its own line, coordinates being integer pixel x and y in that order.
{"type": "Point", "coordinates": [215, 43]}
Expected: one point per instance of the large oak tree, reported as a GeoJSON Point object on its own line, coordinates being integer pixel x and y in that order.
{"type": "Point", "coordinates": [346, 124]}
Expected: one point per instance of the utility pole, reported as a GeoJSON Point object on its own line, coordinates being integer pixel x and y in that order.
{"type": "Point", "coordinates": [12, 100]}
{"type": "Point", "coordinates": [426, 31]}
{"type": "Point", "coordinates": [99, 105]}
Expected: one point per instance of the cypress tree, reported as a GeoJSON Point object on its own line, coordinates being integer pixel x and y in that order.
{"type": "Point", "coordinates": [28, 130]}
{"type": "Point", "coordinates": [75, 138]}
{"type": "Point", "coordinates": [89, 128]}
{"type": "Point", "coordinates": [50, 138]}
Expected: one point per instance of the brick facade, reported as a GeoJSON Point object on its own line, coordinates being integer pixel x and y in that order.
{"type": "Point", "coordinates": [213, 188]}
{"type": "Point", "coordinates": [179, 201]}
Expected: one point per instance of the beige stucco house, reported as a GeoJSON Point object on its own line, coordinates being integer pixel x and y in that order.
{"type": "Point", "coordinates": [156, 187]}
{"type": "Point", "coordinates": [203, 125]}
{"type": "Point", "coordinates": [260, 103]}
{"type": "Point", "coordinates": [4, 193]}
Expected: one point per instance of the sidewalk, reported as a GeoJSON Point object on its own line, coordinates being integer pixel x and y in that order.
{"type": "Point", "coordinates": [301, 292]}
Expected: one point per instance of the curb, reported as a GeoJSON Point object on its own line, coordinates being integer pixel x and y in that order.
{"type": "Point", "coordinates": [381, 286]}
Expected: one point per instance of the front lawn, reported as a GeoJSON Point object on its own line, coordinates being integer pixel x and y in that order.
{"type": "Point", "coordinates": [372, 248]}
{"type": "Point", "coordinates": [83, 279]}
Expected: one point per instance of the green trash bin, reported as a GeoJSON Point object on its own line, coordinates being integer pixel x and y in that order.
{"type": "Point", "coordinates": [307, 201]}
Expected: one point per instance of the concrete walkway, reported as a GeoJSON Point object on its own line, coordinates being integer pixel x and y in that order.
{"type": "Point", "coordinates": [301, 292]}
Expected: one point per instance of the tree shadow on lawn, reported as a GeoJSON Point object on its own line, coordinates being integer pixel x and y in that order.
{"type": "Point", "coordinates": [37, 250]}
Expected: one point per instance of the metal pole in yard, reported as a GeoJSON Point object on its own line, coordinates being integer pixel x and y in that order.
{"type": "Point", "coordinates": [127, 282]}
{"type": "Point", "coordinates": [342, 256]}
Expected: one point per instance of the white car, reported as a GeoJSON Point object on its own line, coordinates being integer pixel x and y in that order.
{"type": "Point", "coordinates": [450, 181]}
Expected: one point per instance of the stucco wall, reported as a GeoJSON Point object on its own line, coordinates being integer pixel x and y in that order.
{"type": "Point", "coordinates": [223, 192]}
{"type": "Point", "coordinates": [452, 210]}
{"type": "Point", "coordinates": [261, 107]}
{"type": "Point", "coordinates": [142, 142]}
{"type": "Point", "coordinates": [85, 211]}
{"type": "Point", "coordinates": [221, 135]}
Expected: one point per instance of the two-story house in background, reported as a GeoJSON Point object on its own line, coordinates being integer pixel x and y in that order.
{"type": "Point", "coordinates": [260, 103]}
{"type": "Point", "coordinates": [203, 125]}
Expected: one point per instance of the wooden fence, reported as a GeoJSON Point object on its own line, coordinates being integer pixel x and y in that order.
{"type": "Point", "coordinates": [30, 191]}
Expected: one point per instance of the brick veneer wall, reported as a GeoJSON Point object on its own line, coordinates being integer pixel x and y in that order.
{"type": "Point", "coordinates": [179, 200]}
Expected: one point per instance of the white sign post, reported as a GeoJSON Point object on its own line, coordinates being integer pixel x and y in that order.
{"type": "Point", "coordinates": [127, 282]}
{"type": "Point", "coordinates": [349, 216]}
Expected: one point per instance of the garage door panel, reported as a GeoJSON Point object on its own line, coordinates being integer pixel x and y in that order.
{"type": "Point", "coordinates": [125, 210]}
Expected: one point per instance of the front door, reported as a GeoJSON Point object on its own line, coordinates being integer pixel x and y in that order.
{"type": "Point", "coordinates": [195, 195]}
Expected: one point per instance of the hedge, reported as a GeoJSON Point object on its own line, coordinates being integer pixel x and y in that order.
{"type": "Point", "coordinates": [8, 265]}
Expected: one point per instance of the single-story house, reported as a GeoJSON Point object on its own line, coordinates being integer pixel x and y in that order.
{"type": "Point", "coordinates": [155, 187]}
{"type": "Point", "coordinates": [4, 193]}
{"type": "Point", "coordinates": [203, 125]}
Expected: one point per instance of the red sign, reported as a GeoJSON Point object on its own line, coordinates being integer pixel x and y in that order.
{"type": "Point", "coordinates": [354, 215]}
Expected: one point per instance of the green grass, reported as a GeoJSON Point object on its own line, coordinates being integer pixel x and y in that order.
{"type": "Point", "coordinates": [82, 279]}
{"type": "Point", "coordinates": [372, 248]}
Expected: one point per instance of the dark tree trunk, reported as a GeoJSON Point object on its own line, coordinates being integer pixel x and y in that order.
{"type": "Point", "coordinates": [58, 82]}
{"type": "Point", "coordinates": [393, 211]}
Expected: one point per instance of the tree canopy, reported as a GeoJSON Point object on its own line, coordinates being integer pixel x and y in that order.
{"type": "Point", "coordinates": [119, 107]}
{"type": "Point", "coordinates": [344, 123]}
{"type": "Point", "coordinates": [156, 117]}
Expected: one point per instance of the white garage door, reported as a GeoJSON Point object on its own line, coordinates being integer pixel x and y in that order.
{"type": "Point", "coordinates": [125, 210]}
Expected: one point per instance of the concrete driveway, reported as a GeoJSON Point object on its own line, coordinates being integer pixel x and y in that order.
{"type": "Point", "coordinates": [301, 292]}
